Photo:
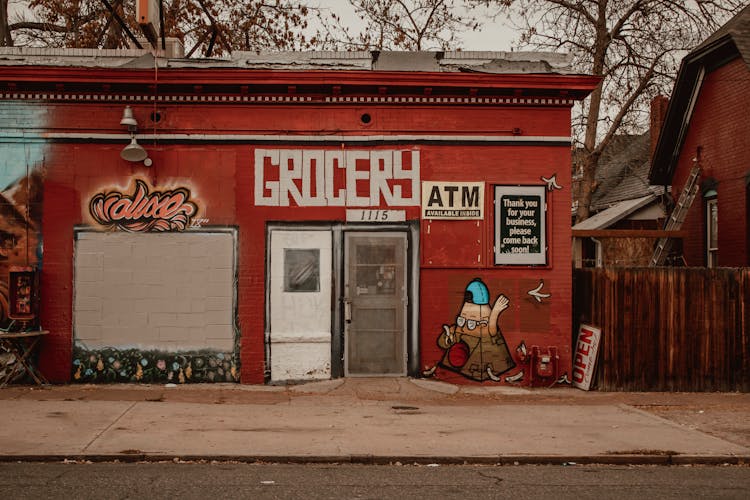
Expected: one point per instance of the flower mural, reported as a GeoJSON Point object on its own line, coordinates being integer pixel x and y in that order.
{"type": "Point", "coordinates": [137, 366]}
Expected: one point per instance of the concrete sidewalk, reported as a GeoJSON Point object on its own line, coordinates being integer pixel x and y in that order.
{"type": "Point", "coordinates": [352, 420]}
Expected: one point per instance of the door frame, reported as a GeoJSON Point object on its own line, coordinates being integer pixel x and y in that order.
{"type": "Point", "coordinates": [337, 229]}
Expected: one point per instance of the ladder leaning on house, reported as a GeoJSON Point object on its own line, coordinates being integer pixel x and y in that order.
{"type": "Point", "coordinates": [677, 217]}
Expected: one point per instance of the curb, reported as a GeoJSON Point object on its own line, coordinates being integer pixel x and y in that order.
{"type": "Point", "coordinates": [503, 460]}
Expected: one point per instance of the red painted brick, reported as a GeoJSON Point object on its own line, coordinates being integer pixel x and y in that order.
{"type": "Point", "coordinates": [221, 181]}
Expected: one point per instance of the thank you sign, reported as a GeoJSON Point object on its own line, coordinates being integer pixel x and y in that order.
{"type": "Point", "coordinates": [520, 225]}
{"type": "Point", "coordinates": [453, 200]}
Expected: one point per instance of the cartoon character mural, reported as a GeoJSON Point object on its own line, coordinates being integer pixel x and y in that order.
{"type": "Point", "coordinates": [474, 345]}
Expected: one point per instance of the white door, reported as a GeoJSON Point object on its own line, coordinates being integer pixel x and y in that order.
{"type": "Point", "coordinates": [376, 304]}
{"type": "Point", "coordinates": [300, 305]}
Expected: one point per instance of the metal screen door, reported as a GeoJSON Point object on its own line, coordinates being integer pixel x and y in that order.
{"type": "Point", "coordinates": [375, 304]}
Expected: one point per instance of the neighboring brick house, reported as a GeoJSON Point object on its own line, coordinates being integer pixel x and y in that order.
{"type": "Point", "coordinates": [706, 125]}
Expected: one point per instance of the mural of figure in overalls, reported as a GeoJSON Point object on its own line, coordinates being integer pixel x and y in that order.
{"type": "Point", "coordinates": [474, 345]}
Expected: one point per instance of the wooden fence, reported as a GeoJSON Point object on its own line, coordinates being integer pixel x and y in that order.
{"type": "Point", "coordinates": [668, 329]}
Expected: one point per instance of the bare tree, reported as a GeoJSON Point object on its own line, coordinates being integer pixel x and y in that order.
{"type": "Point", "coordinates": [634, 45]}
{"type": "Point", "coordinates": [5, 36]}
{"type": "Point", "coordinates": [401, 25]}
{"type": "Point", "coordinates": [215, 26]}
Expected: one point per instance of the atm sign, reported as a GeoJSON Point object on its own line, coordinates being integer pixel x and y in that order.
{"type": "Point", "coordinates": [453, 200]}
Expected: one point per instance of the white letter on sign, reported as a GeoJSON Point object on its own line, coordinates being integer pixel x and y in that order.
{"type": "Point", "coordinates": [316, 158]}
{"type": "Point", "coordinates": [290, 168]}
{"type": "Point", "coordinates": [352, 176]}
{"type": "Point", "coordinates": [260, 184]}
{"type": "Point", "coordinates": [309, 177]}
{"type": "Point", "coordinates": [334, 160]}
{"type": "Point", "coordinates": [379, 178]}
{"type": "Point", "coordinates": [400, 173]}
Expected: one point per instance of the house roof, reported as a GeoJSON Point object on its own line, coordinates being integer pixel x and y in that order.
{"type": "Point", "coordinates": [729, 42]}
{"type": "Point", "coordinates": [622, 173]}
{"type": "Point", "coordinates": [616, 212]}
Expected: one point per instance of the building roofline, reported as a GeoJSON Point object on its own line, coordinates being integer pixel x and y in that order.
{"type": "Point", "coordinates": [96, 78]}
{"type": "Point", "coordinates": [718, 50]}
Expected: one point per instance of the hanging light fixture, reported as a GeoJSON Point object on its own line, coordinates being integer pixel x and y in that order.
{"type": "Point", "coordinates": [132, 152]}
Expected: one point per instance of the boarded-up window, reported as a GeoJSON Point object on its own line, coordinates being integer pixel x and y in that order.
{"type": "Point", "coordinates": [172, 291]}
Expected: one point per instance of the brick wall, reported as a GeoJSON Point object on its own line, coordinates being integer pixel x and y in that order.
{"type": "Point", "coordinates": [220, 179]}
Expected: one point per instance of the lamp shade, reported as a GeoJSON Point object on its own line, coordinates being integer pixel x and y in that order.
{"type": "Point", "coordinates": [128, 120]}
{"type": "Point", "coordinates": [133, 152]}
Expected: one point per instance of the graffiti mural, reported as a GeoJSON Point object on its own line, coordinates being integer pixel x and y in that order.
{"type": "Point", "coordinates": [473, 345]}
{"type": "Point", "coordinates": [142, 210]}
{"type": "Point", "coordinates": [142, 366]}
{"type": "Point", "coordinates": [20, 223]}
{"type": "Point", "coordinates": [20, 220]}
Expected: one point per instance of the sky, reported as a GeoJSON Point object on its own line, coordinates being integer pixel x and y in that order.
{"type": "Point", "coordinates": [495, 35]}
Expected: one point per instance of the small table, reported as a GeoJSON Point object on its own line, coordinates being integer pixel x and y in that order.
{"type": "Point", "coordinates": [22, 346]}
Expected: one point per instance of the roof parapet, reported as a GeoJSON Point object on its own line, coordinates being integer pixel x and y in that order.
{"type": "Point", "coordinates": [422, 61]}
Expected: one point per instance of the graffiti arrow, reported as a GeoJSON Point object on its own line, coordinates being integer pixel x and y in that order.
{"type": "Point", "coordinates": [515, 378]}
{"type": "Point", "coordinates": [537, 294]}
{"type": "Point", "coordinates": [552, 182]}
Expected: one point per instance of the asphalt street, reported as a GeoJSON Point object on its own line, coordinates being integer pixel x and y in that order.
{"type": "Point", "coordinates": [339, 481]}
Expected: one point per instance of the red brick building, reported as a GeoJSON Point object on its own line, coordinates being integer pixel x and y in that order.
{"type": "Point", "coordinates": [706, 126]}
{"type": "Point", "coordinates": [281, 217]}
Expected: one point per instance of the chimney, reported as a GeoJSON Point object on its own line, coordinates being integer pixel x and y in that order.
{"type": "Point", "coordinates": [175, 48]}
{"type": "Point", "coordinates": [658, 112]}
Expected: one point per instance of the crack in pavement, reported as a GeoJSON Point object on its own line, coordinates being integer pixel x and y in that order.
{"type": "Point", "coordinates": [109, 426]}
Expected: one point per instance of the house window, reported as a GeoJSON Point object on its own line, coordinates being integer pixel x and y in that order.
{"type": "Point", "coordinates": [712, 233]}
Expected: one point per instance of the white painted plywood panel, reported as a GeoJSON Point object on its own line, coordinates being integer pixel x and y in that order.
{"type": "Point", "coordinates": [142, 290]}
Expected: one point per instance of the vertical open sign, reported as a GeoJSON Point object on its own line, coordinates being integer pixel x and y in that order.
{"type": "Point", "coordinates": [584, 361]}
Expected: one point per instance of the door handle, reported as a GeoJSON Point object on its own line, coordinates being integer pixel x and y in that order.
{"type": "Point", "coordinates": [347, 310]}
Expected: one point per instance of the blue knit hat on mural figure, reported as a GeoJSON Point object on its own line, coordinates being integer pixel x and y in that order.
{"type": "Point", "coordinates": [474, 345]}
{"type": "Point", "coordinates": [477, 292]}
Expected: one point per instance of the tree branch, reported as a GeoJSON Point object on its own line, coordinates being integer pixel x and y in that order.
{"type": "Point", "coordinates": [643, 84]}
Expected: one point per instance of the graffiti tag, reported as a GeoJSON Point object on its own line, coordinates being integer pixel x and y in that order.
{"type": "Point", "coordinates": [198, 222]}
{"type": "Point", "coordinates": [143, 211]}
